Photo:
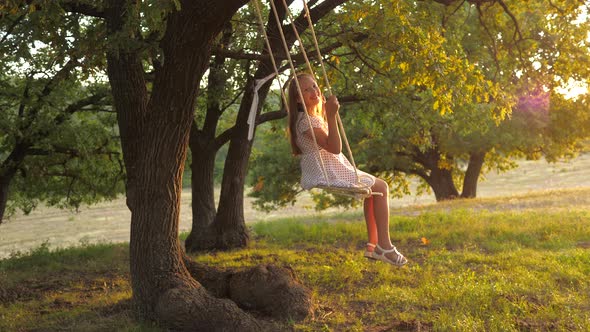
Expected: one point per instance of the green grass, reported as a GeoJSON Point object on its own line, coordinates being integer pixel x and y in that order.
{"type": "Point", "coordinates": [479, 271]}
{"type": "Point", "coordinates": [77, 289]}
{"type": "Point", "coordinates": [471, 269]}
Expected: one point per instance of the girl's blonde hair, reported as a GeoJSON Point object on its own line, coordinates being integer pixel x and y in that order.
{"type": "Point", "coordinates": [294, 107]}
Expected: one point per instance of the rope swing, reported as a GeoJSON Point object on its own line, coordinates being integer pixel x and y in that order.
{"type": "Point", "coordinates": [357, 190]}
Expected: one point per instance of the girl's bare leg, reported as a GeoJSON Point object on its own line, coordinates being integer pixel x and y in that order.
{"type": "Point", "coordinates": [370, 221]}
{"type": "Point", "coordinates": [385, 250]}
{"type": "Point", "coordinates": [381, 213]}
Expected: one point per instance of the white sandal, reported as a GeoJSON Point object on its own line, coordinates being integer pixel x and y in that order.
{"type": "Point", "coordinates": [400, 260]}
{"type": "Point", "coordinates": [370, 254]}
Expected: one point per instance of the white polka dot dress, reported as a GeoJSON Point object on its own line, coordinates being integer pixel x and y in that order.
{"type": "Point", "coordinates": [339, 170]}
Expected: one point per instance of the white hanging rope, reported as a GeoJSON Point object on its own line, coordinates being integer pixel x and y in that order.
{"type": "Point", "coordinates": [316, 44]}
{"type": "Point", "coordinates": [259, 83]}
{"type": "Point", "coordinates": [269, 48]}
{"type": "Point", "coordinates": [254, 107]}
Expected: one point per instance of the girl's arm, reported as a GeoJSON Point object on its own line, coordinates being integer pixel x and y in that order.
{"type": "Point", "coordinates": [330, 142]}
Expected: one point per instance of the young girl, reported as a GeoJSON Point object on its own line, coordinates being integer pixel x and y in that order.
{"type": "Point", "coordinates": [340, 172]}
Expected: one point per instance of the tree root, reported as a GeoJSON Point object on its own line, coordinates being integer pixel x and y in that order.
{"type": "Point", "coordinates": [268, 289]}
{"type": "Point", "coordinates": [194, 309]}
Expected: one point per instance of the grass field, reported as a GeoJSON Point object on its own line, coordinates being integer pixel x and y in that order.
{"type": "Point", "coordinates": [109, 222]}
{"type": "Point", "coordinates": [474, 266]}
{"type": "Point", "coordinates": [517, 261]}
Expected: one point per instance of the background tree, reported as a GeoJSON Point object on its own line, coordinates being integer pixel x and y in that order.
{"type": "Point", "coordinates": [58, 139]}
{"type": "Point", "coordinates": [489, 38]}
{"type": "Point", "coordinates": [436, 91]}
{"type": "Point", "coordinates": [240, 59]}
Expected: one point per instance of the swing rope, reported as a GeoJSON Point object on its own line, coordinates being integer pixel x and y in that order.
{"type": "Point", "coordinates": [361, 190]}
{"type": "Point", "coordinates": [319, 54]}
{"type": "Point", "coordinates": [299, 91]}
{"type": "Point", "coordinates": [301, 45]}
{"type": "Point", "coordinates": [325, 75]}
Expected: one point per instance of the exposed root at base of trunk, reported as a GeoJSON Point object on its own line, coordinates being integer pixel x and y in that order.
{"type": "Point", "coordinates": [194, 309]}
{"type": "Point", "coordinates": [268, 289]}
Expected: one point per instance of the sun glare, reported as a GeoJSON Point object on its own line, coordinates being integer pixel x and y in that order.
{"type": "Point", "coordinates": [573, 89]}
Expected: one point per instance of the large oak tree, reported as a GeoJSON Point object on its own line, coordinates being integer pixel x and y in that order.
{"type": "Point", "coordinates": [156, 54]}
{"type": "Point", "coordinates": [155, 127]}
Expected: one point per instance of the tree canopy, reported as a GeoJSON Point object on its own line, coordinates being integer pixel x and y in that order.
{"type": "Point", "coordinates": [448, 91]}
{"type": "Point", "coordinates": [58, 142]}
{"type": "Point", "coordinates": [435, 79]}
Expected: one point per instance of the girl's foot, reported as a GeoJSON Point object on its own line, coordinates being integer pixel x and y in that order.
{"type": "Point", "coordinates": [390, 256]}
{"type": "Point", "coordinates": [370, 251]}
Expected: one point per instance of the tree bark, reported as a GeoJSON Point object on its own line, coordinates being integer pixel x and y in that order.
{"type": "Point", "coordinates": [202, 143]}
{"type": "Point", "coordinates": [230, 227]}
{"type": "Point", "coordinates": [4, 185]}
{"type": "Point", "coordinates": [269, 289]}
{"type": "Point", "coordinates": [8, 169]}
{"type": "Point", "coordinates": [476, 160]}
{"type": "Point", "coordinates": [202, 235]}
{"type": "Point", "coordinates": [439, 179]}
{"type": "Point", "coordinates": [441, 182]}
{"type": "Point", "coordinates": [155, 134]}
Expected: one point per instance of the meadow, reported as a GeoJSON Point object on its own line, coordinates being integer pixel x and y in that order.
{"type": "Point", "coordinates": [533, 184]}
{"type": "Point", "coordinates": [473, 267]}
{"type": "Point", "coordinates": [513, 262]}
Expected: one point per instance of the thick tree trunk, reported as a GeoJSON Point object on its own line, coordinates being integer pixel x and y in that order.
{"type": "Point", "coordinates": [203, 144]}
{"type": "Point", "coordinates": [154, 148]}
{"type": "Point", "coordinates": [439, 179]}
{"type": "Point", "coordinates": [8, 169]}
{"type": "Point", "coordinates": [476, 160]}
{"type": "Point", "coordinates": [230, 226]}
{"type": "Point", "coordinates": [202, 235]}
{"type": "Point", "coordinates": [441, 182]}
{"type": "Point", "coordinates": [4, 184]}
{"type": "Point", "coordinates": [155, 137]}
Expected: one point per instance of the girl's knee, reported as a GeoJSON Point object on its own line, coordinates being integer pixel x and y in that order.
{"type": "Point", "coordinates": [381, 186]}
